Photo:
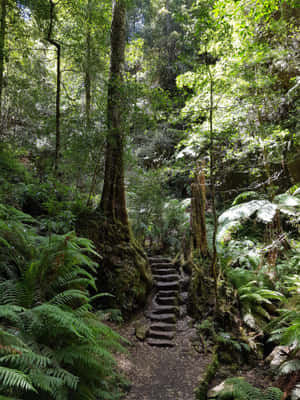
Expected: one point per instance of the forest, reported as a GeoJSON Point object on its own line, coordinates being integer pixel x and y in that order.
{"type": "Point", "coordinates": [149, 199]}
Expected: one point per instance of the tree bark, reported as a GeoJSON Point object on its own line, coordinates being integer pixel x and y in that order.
{"type": "Point", "coordinates": [2, 45]}
{"type": "Point", "coordinates": [88, 95]}
{"type": "Point", "coordinates": [113, 204]}
{"type": "Point", "coordinates": [58, 88]}
{"type": "Point", "coordinates": [214, 260]}
{"type": "Point", "coordinates": [198, 206]}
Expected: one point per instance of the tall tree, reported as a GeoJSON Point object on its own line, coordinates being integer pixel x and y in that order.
{"type": "Point", "coordinates": [57, 45]}
{"type": "Point", "coordinates": [113, 203]}
{"type": "Point", "coordinates": [125, 269]}
{"type": "Point", "coordinates": [2, 44]}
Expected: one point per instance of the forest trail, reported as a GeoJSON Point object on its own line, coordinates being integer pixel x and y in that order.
{"type": "Point", "coordinates": [166, 365]}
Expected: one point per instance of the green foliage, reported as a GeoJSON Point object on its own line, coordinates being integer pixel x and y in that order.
{"type": "Point", "coordinates": [240, 253]}
{"type": "Point", "coordinates": [288, 324]}
{"type": "Point", "coordinates": [288, 265]}
{"type": "Point", "coordinates": [239, 389]}
{"type": "Point", "coordinates": [245, 196]}
{"type": "Point", "coordinates": [286, 328]}
{"type": "Point", "coordinates": [254, 296]}
{"type": "Point", "coordinates": [157, 219]}
{"type": "Point", "coordinates": [51, 344]}
{"type": "Point", "coordinates": [230, 342]}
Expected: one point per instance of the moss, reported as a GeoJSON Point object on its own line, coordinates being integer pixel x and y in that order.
{"type": "Point", "coordinates": [201, 391]}
{"type": "Point", "coordinates": [124, 269]}
{"type": "Point", "coordinates": [201, 293]}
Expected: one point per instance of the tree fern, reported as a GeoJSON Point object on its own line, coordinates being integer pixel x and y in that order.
{"type": "Point", "coordinates": [289, 366]}
{"type": "Point", "coordinates": [245, 196]}
{"type": "Point", "coordinates": [231, 219]}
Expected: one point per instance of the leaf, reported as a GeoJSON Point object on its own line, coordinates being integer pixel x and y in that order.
{"type": "Point", "coordinates": [289, 366]}
{"type": "Point", "coordinates": [15, 379]}
{"type": "Point", "coordinates": [266, 212]}
{"type": "Point", "coordinates": [243, 211]}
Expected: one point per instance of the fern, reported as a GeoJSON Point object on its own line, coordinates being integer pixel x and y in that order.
{"type": "Point", "coordinates": [11, 378]}
{"type": "Point", "coordinates": [239, 389]}
{"type": "Point", "coordinates": [289, 367]}
{"type": "Point", "coordinates": [245, 196]}
{"type": "Point", "coordinates": [231, 220]}
{"type": "Point", "coordinates": [51, 344]}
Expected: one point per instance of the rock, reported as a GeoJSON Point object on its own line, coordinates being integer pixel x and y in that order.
{"type": "Point", "coordinates": [217, 390]}
{"type": "Point", "coordinates": [278, 356]}
{"type": "Point", "coordinates": [141, 332]}
{"type": "Point", "coordinates": [296, 392]}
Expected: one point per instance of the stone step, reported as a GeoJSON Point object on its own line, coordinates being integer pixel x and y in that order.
{"type": "Point", "coordinates": [165, 310]}
{"type": "Point", "coordinates": [164, 271]}
{"type": "Point", "coordinates": [167, 293]}
{"type": "Point", "coordinates": [160, 342]}
{"type": "Point", "coordinates": [159, 260]}
{"type": "Point", "coordinates": [169, 318]}
{"type": "Point", "coordinates": [162, 265]}
{"type": "Point", "coordinates": [163, 326]}
{"type": "Point", "coordinates": [152, 333]}
{"type": "Point", "coordinates": [167, 278]}
{"type": "Point", "coordinates": [166, 301]}
{"type": "Point", "coordinates": [167, 285]}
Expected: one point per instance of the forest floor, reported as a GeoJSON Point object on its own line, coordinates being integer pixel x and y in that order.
{"type": "Point", "coordinates": [157, 373]}
{"type": "Point", "coordinates": [172, 373]}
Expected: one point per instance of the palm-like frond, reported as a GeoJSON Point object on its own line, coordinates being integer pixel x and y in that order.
{"type": "Point", "coordinates": [265, 210]}
{"type": "Point", "coordinates": [289, 366]}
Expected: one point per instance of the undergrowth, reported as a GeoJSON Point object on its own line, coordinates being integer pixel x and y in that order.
{"type": "Point", "coordinates": [52, 345]}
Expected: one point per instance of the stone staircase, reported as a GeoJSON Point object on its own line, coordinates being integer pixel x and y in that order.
{"type": "Point", "coordinates": [165, 310]}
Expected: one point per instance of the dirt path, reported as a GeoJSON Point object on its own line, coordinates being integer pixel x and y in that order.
{"type": "Point", "coordinates": [162, 373]}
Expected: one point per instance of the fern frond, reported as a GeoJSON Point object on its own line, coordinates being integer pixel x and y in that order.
{"type": "Point", "coordinates": [69, 297]}
{"type": "Point", "coordinates": [64, 320]}
{"type": "Point", "coordinates": [250, 195]}
{"type": "Point", "coordinates": [10, 313]}
{"type": "Point", "coordinates": [12, 378]}
{"type": "Point", "coordinates": [87, 356]}
{"type": "Point", "coordinates": [26, 359]}
{"type": "Point", "coordinates": [289, 367]}
{"type": "Point", "coordinates": [42, 380]}
{"type": "Point", "coordinates": [240, 389]}
{"type": "Point", "coordinates": [69, 379]}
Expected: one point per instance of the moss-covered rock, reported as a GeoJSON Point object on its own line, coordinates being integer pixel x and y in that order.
{"type": "Point", "coordinates": [141, 331]}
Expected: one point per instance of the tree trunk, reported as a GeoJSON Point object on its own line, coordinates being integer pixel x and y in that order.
{"type": "Point", "coordinates": [87, 69]}
{"type": "Point", "coordinates": [2, 45]}
{"type": "Point", "coordinates": [58, 88]}
{"type": "Point", "coordinates": [113, 204]}
{"type": "Point", "coordinates": [214, 260]}
{"type": "Point", "coordinates": [198, 207]}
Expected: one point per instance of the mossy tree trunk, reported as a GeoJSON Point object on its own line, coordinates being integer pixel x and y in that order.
{"type": "Point", "coordinates": [113, 204]}
{"type": "Point", "coordinates": [2, 45]}
{"type": "Point", "coordinates": [125, 271]}
{"type": "Point", "coordinates": [198, 206]}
